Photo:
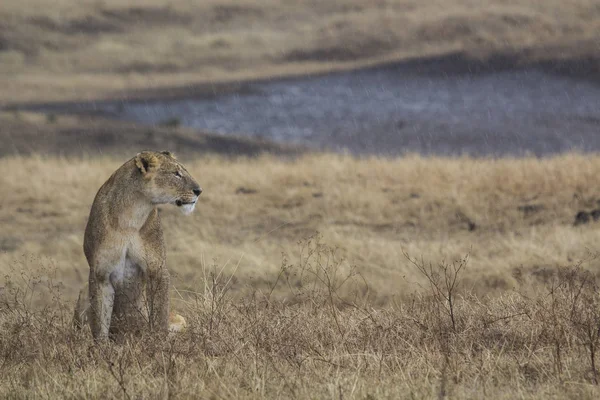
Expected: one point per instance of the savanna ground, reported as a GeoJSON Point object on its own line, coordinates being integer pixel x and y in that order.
{"type": "Point", "coordinates": [428, 277]}
{"type": "Point", "coordinates": [361, 310]}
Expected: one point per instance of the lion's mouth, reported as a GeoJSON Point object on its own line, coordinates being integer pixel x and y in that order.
{"type": "Point", "coordinates": [186, 207]}
{"type": "Point", "coordinates": [180, 202]}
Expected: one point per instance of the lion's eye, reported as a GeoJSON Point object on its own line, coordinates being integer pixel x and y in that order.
{"type": "Point", "coordinates": [177, 174]}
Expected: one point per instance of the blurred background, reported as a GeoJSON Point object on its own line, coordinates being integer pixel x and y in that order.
{"type": "Point", "coordinates": [380, 77]}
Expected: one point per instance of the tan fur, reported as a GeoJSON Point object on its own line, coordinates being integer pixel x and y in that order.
{"type": "Point", "coordinates": [177, 322]}
{"type": "Point", "coordinates": [124, 245]}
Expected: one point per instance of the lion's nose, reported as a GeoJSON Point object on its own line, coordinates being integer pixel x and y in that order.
{"type": "Point", "coordinates": [197, 191]}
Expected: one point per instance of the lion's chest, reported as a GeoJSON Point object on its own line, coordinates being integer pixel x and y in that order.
{"type": "Point", "coordinates": [131, 265]}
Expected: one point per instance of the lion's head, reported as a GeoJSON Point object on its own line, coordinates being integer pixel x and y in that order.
{"type": "Point", "coordinates": [166, 181]}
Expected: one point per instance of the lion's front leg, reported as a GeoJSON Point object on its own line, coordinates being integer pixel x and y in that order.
{"type": "Point", "coordinates": [150, 253]}
{"type": "Point", "coordinates": [157, 292]}
{"type": "Point", "coordinates": [102, 295]}
{"type": "Point", "coordinates": [130, 314]}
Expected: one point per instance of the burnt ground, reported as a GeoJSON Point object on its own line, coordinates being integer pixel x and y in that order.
{"type": "Point", "coordinates": [84, 135]}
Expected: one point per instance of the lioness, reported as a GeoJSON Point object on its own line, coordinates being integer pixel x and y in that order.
{"type": "Point", "coordinates": [124, 244]}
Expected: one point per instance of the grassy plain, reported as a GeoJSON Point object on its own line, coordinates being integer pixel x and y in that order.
{"type": "Point", "coordinates": [66, 49]}
{"type": "Point", "coordinates": [271, 313]}
{"type": "Point", "coordinates": [508, 214]}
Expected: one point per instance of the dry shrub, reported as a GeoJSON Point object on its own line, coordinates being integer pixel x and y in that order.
{"type": "Point", "coordinates": [323, 340]}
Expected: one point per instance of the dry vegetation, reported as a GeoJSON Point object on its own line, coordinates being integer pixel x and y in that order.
{"type": "Point", "coordinates": [380, 304]}
{"type": "Point", "coordinates": [540, 342]}
{"type": "Point", "coordinates": [510, 215]}
{"type": "Point", "coordinates": [67, 49]}
{"type": "Point", "coordinates": [361, 310]}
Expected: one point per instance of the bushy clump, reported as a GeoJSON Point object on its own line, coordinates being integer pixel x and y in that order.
{"type": "Point", "coordinates": [323, 340]}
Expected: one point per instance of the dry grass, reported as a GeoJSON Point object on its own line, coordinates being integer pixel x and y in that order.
{"type": "Point", "coordinates": [509, 214]}
{"type": "Point", "coordinates": [538, 343]}
{"type": "Point", "coordinates": [366, 309]}
{"type": "Point", "coordinates": [52, 50]}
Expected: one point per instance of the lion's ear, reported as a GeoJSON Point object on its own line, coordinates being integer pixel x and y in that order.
{"type": "Point", "coordinates": [146, 162]}
{"type": "Point", "coordinates": [169, 154]}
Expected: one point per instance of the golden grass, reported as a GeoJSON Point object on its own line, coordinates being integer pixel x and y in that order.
{"type": "Point", "coordinates": [66, 49]}
{"type": "Point", "coordinates": [272, 314]}
{"type": "Point", "coordinates": [508, 214]}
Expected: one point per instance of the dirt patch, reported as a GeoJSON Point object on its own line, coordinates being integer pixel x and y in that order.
{"type": "Point", "coordinates": [13, 40]}
{"type": "Point", "coordinates": [146, 15]}
{"type": "Point", "coordinates": [88, 25]}
{"type": "Point", "coordinates": [584, 217]}
{"type": "Point", "coordinates": [339, 52]}
{"type": "Point", "coordinates": [530, 209]}
{"type": "Point", "coordinates": [228, 12]}
{"type": "Point", "coordinates": [148, 67]}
